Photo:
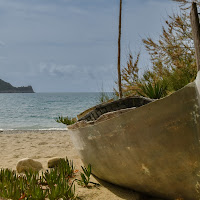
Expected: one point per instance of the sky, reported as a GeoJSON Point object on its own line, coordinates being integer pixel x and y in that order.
{"type": "Point", "coordinates": [71, 45]}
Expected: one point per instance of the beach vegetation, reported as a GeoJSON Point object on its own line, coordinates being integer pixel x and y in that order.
{"type": "Point", "coordinates": [130, 76]}
{"type": "Point", "coordinates": [85, 177]}
{"type": "Point", "coordinates": [173, 55]}
{"type": "Point", "coordinates": [66, 120]}
{"type": "Point", "coordinates": [105, 97]}
{"type": "Point", "coordinates": [172, 58]}
{"type": "Point", "coordinates": [56, 183]}
{"type": "Point", "coordinates": [53, 184]}
{"type": "Point", "coordinates": [153, 91]}
{"type": "Point", "coordinates": [186, 3]}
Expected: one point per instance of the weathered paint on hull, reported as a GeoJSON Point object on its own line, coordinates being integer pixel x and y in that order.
{"type": "Point", "coordinates": [153, 149]}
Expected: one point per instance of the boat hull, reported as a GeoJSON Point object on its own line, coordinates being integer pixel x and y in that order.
{"type": "Point", "coordinates": [153, 149]}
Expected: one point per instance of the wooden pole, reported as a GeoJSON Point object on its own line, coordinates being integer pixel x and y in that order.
{"type": "Point", "coordinates": [119, 51]}
{"type": "Point", "coordinates": [194, 18]}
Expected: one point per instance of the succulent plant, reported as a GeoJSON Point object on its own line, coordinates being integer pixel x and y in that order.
{"type": "Point", "coordinates": [53, 184]}
{"type": "Point", "coordinates": [85, 176]}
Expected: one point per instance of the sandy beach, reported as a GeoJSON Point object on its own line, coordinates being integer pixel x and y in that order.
{"type": "Point", "coordinates": [44, 145]}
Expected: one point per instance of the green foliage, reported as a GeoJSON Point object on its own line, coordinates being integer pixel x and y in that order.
{"type": "Point", "coordinates": [61, 190]}
{"type": "Point", "coordinates": [173, 56]}
{"type": "Point", "coordinates": [10, 185]}
{"type": "Point", "coordinates": [104, 96]}
{"type": "Point", "coordinates": [53, 184]}
{"type": "Point", "coordinates": [153, 91]}
{"type": "Point", "coordinates": [130, 76]}
{"type": "Point", "coordinates": [178, 78]}
{"type": "Point", "coordinates": [65, 120]}
{"type": "Point", "coordinates": [173, 62]}
{"type": "Point", "coordinates": [85, 176]}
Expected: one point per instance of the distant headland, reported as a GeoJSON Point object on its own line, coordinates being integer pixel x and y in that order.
{"type": "Point", "coordinates": [8, 88]}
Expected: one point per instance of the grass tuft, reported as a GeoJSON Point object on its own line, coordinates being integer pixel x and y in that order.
{"type": "Point", "coordinates": [53, 184]}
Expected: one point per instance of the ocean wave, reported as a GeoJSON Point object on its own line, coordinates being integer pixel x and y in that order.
{"type": "Point", "coordinates": [29, 129]}
{"type": "Point", "coordinates": [26, 112]}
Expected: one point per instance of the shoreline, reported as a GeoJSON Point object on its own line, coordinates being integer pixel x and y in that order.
{"type": "Point", "coordinates": [42, 145]}
{"type": "Point", "coordinates": [41, 129]}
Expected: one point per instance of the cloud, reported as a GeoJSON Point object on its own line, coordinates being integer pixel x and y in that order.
{"type": "Point", "coordinates": [2, 43]}
{"type": "Point", "coordinates": [51, 43]}
{"type": "Point", "coordinates": [38, 7]}
{"type": "Point", "coordinates": [2, 58]}
{"type": "Point", "coordinates": [76, 73]}
{"type": "Point", "coordinates": [56, 70]}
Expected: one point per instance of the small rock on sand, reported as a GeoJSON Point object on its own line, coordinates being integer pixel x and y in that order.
{"type": "Point", "coordinates": [54, 162]}
{"type": "Point", "coordinates": [27, 164]}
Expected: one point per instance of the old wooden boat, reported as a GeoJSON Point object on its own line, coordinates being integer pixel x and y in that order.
{"type": "Point", "coordinates": [149, 146]}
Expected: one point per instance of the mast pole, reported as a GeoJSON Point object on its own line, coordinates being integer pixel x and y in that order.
{"type": "Point", "coordinates": [119, 51]}
{"type": "Point", "coordinates": [194, 18]}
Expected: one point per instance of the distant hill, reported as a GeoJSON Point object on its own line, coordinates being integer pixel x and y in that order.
{"type": "Point", "coordinates": [8, 88]}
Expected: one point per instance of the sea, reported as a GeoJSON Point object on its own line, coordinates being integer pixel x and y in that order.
{"type": "Point", "coordinates": [38, 111]}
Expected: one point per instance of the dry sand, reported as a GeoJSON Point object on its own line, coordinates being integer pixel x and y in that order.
{"type": "Point", "coordinates": [44, 145]}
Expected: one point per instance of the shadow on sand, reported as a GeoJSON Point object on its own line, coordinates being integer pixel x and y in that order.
{"type": "Point", "coordinates": [125, 193]}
